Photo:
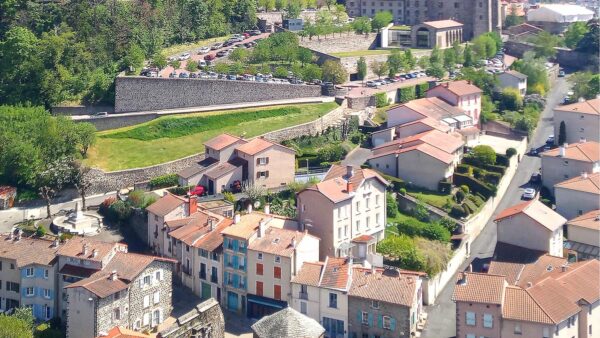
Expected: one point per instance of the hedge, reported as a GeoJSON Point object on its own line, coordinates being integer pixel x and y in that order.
{"type": "Point", "coordinates": [434, 231]}
{"type": "Point", "coordinates": [475, 185]}
{"type": "Point", "coordinates": [489, 167]}
{"type": "Point", "coordinates": [381, 100]}
{"type": "Point", "coordinates": [180, 191]}
{"type": "Point", "coordinates": [502, 160]}
{"type": "Point", "coordinates": [422, 89]}
{"type": "Point", "coordinates": [468, 204]}
{"type": "Point", "coordinates": [163, 181]}
{"type": "Point", "coordinates": [407, 94]}
{"type": "Point", "coordinates": [396, 183]}
{"type": "Point", "coordinates": [463, 168]}
{"type": "Point", "coordinates": [476, 199]}
{"type": "Point", "coordinates": [445, 187]}
{"type": "Point", "coordinates": [492, 177]}
{"type": "Point", "coordinates": [457, 211]}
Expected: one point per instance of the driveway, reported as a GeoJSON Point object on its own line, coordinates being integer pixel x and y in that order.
{"type": "Point", "coordinates": [357, 157]}
{"type": "Point", "coordinates": [441, 321]}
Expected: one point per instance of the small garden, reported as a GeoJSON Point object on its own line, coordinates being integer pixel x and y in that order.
{"type": "Point", "coordinates": [327, 148]}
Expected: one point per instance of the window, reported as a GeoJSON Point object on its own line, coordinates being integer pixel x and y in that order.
{"type": "Point", "coordinates": [187, 248]}
{"type": "Point", "coordinates": [158, 275]}
{"type": "Point", "coordinates": [262, 174]}
{"type": "Point", "coordinates": [262, 160]}
{"type": "Point", "coordinates": [377, 220]}
{"type": "Point", "coordinates": [46, 273]}
{"type": "Point", "coordinates": [376, 200]}
{"type": "Point", "coordinates": [259, 269]}
{"type": "Point", "coordinates": [488, 320]}
{"type": "Point", "coordinates": [368, 221]}
{"type": "Point", "coordinates": [387, 322]}
{"type": "Point", "coordinates": [277, 292]}
{"type": "Point", "coordinates": [368, 203]}
{"type": "Point", "coordinates": [29, 272]}
{"type": "Point", "coordinates": [303, 308]}
{"type": "Point", "coordinates": [47, 311]}
{"type": "Point", "coordinates": [339, 233]}
{"type": "Point", "coordinates": [590, 329]}
{"type": "Point", "coordinates": [375, 304]}
{"type": "Point", "coordinates": [357, 225]}
{"type": "Point", "coordinates": [117, 314]}
{"type": "Point", "coordinates": [12, 266]}
{"type": "Point", "coordinates": [277, 272]}
{"type": "Point", "coordinates": [518, 329]}
{"type": "Point", "coordinates": [29, 292]}
{"type": "Point", "coordinates": [156, 297]}
{"type": "Point", "coordinates": [146, 301]}
{"type": "Point", "coordinates": [333, 300]}
{"type": "Point", "coordinates": [147, 280]}
{"type": "Point", "coordinates": [146, 319]}
{"type": "Point", "coordinates": [277, 259]}
{"type": "Point", "coordinates": [470, 318]}
{"type": "Point", "coordinates": [345, 231]}
{"type": "Point", "coordinates": [357, 207]}
{"type": "Point", "coordinates": [365, 318]}
{"type": "Point", "coordinates": [46, 293]}
{"type": "Point", "coordinates": [10, 286]}
{"type": "Point", "coordinates": [259, 256]}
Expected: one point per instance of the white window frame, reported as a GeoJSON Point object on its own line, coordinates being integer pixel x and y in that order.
{"type": "Point", "coordinates": [146, 301]}
{"type": "Point", "coordinates": [47, 312]}
{"type": "Point", "coordinates": [262, 160]}
{"type": "Point", "coordinates": [375, 304]}
{"type": "Point", "coordinates": [27, 274]}
{"type": "Point", "coordinates": [387, 322]}
{"type": "Point", "coordinates": [47, 293]}
{"type": "Point", "coordinates": [46, 273]}
{"type": "Point", "coordinates": [146, 319]}
{"type": "Point", "coordinates": [470, 321]}
{"type": "Point", "coordinates": [259, 256]}
{"type": "Point", "coordinates": [364, 318]}
{"type": "Point", "coordinates": [27, 291]}
{"type": "Point", "coordinates": [488, 320]}
{"type": "Point", "coordinates": [156, 297]}
{"type": "Point", "coordinates": [277, 259]}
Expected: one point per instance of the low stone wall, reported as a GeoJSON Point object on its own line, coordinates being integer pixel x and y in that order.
{"type": "Point", "coordinates": [80, 110]}
{"type": "Point", "coordinates": [114, 121]}
{"type": "Point", "coordinates": [111, 181]}
{"type": "Point", "coordinates": [136, 93]}
{"type": "Point", "coordinates": [340, 43]}
{"type": "Point", "coordinates": [564, 56]}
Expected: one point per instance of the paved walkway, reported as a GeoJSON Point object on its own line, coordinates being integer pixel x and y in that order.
{"type": "Point", "coordinates": [357, 157]}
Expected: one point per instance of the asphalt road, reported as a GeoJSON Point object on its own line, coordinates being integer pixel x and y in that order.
{"type": "Point", "coordinates": [441, 322]}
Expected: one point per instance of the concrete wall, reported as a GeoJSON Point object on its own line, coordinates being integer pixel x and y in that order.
{"type": "Point", "coordinates": [523, 231]}
{"type": "Point", "coordinates": [577, 126]}
{"type": "Point", "coordinates": [583, 235]}
{"type": "Point", "coordinates": [114, 121]}
{"type": "Point", "coordinates": [558, 169]}
{"type": "Point", "coordinates": [135, 93]}
{"type": "Point", "coordinates": [572, 203]}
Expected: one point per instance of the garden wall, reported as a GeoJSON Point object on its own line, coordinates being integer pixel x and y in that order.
{"type": "Point", "coordinates": [136, 93]}
{"type": "Point", "coordinates": [111, 181]}
{"type": "Point", "coordinates": [436, 284]}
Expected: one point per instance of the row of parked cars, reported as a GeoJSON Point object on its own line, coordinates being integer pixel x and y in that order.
{"type": "Point", "coordinates": [397, 78]}
{"type": "Point", "coordinates": [266, 78]}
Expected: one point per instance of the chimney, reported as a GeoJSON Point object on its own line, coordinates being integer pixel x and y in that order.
{"type": "Point", "coordinates": [562, 150]}
{"type": "Point", "coordinates": [582, 140]}
{"type": "Point", "coordinates": [529, 284]}
{"type": "Point", "coordinates": [564, 268]}
{"type": "Point", "coordinates": [113, 275]}
{"type": "Point", "coordinates": [470, 268]}
{"type": "Point", "coordinates": [584, 175]}
{"type": "Point", "coordinates": [237, 218]}
{"type": "Point", "coordinates": [84, 249]}
{"type": "Point", "coordinates": [446, 84]}
{"type": "Point", "coordinates": [293, 243]}
{"type": "Point", "coordinates": [211, 223]}
{"type": "Point", "coordinates": [349, 186]}
{"type": "Point", "coordinates": [95, 253]}
{"type": "Point", "coordinates": [349, 172]}
{"type": "Point", "coordinates": [267, 209]}
{"type": "Point", "coordinates": [19, 233]}
{"type": "Point", "coordinates": [165, 193]}
{"type": "Point", "coordinates": [469, 81]}
{"type": "Point", "coordinates": [463, 279]}
{"type": "Point", "coordinates": [55, 243]}
{"type": "Point", "coordinates": [192, 205]}
{"type": "Point", "coordinates": [261, 228]}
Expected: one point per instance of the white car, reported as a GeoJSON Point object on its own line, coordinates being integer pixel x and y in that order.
{"type": "Point", "coordinates": [204, 50]}
{"type": "Point", "coordinates": [216, 46]}
{"type": "Point", "coordinates": [528, 194]}
{"type": "Point", "coordinates": [202, 64]}
{"type": "Point", "coordinates": [184, 56]}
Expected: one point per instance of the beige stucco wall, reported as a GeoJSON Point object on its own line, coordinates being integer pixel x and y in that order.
{"type": "Point", "coordinates": [315, 211]}
{"type": "Point", "coordinates": [281, 167]}
{"type": "Point", "coordinates": [223, 183]}
{"type": "Point", "coordinates": [267, 278]}
{"type": "Point", "coordinates": [528, 329]}
{"type": "Point", "coordinates": [583, 235]}
{"type": "Point", "coordinates": [313, 306]}
{"type": "Point", "coordinates": [9, 275]}
{"type": "Point", "coordinates": [462, 329]}
{"type": "Point", "coordinates": [81, 311]}
{"type": "Point", "coordinates": [558, 169]}
{"type": "Point", "coordinates": [339, 313]}
{"type": "Point", "coordinates": [401, 115]}
{"type": "Point", "coordinates": [471, 104]}
{"type": "Point", "coordinates": [577, 126]}
{"type": "Point", "coordinates": [155, 224]}
{"type": "Point", "coordinates": [386, 164]}
{"type": "Point", "coordinates": [224, 154]}
{"type": "Point", "coordinates": [523, 231]}
{"type": "Point", "coordinates": [572, 203]}
{"type": "Point", "coordinates": [422, 169]}
{"type": "Point", "coordinates": [382, 136]}
{"type": "Point", "coordinates": [509, 81]}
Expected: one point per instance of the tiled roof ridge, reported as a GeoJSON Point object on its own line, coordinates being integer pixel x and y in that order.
{"type": "Point", "coordinates": [570, 271]}
{"type": "Point", "coordinates": [535, 301]}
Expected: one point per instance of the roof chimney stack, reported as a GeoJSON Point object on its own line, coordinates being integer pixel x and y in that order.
{"type": "Point", "coordinates": [95, 253]}
{"type": "Point", "coordinates": [55, 243]}
{"type": "Point", "coordinates": [349, 171]}
{"type": "Point", "coordinates": [84, 249]}
{"type": "Point", "coordinates": [582, 140]}
{"type": "Point", "coordinates": [250, 208]}
{"type": "Point", "coordinates": [113, 275]}
{"type": "Point", "coordinates": [529, 284]}
{"type": "Point", "coordinates": [584, 175]}
{"type": "Point", "coordinates": [564, 268]}
{"type": "Point", "coordinates": [261, 228]}
{"type": "Point", "coordinates": [463, 279]}
{"type": "Point", "coordinates": [237, 218]}
{"type": "Point", "coordinates": [293, 243]}
{"type": "Point", "coordinates": [562, 150]}
{"type": "Point", "coordinates": [470, 269]}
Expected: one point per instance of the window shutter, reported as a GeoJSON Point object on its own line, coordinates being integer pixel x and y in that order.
{"type": "Point", "coordinates": [258, 174]}
{"type": "Point", "coordinates": [392, 324]}
{"type": "Point", "coordinates": [370, 319]}
{"type": "Point", "coordinates": [156, 297]}
{"type": "Point", "coordinates": [146, 301]}
{"type": "Point", "coordinates": [258, 160]}
{"type": "Point", "coordinates": [359, 316]}
{"type": "Point", "coordinates": [267, 173]}
{"type": "Point", "coordinates": [146, 320]}
{"type": "Point", "coordinates": [380, 321]}
{"type": "Point", "coordinates": [267, 160]}
{"type": "Point", "coordinates": [225, 242]}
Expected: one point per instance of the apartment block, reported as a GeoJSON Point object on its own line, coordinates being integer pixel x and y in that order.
{"type": "Point", "coordinates": [578, 195]}
{"type": "Point", "coordinates": [581, 120]}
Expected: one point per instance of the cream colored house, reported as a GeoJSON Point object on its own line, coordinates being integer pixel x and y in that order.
{"type": "Point", "coordinates": [568, 161]}
{"type": "Point", "coordinates": [436, 108]}
{"type": "Point", "coordinates": [531, 225]}
{"type": "Point", "coordinates": [167, 208]}
{"type": "Point", "coordinates": [461, 94]}
{"type": "Point", "coordinates": [423, 159]}
{"type": "Point", "coordinates": [275, 256]}
{"type": "Point", "coordinates": [583, 235]}
{"type": "Point", "coordinates": [270, 164]}
{"type": "Point", "coordinates": [581, 119]}
{"type": "Point", "coordinates": [348, 203]}
{"type": "Point", "coordinates": [557, 302]}
{"type": "Point", "coordinates": [513, 79]}
{"type": "Point", "coordinates": [578, 195]}
{"type": "Point", "coordinates": [320, 291]}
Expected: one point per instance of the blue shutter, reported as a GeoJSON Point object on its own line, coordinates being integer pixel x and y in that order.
{"type": "Point", "coordinates": [23, 291]}
{"type": "Point", "coordinates": [225, 280]}
{"type": "Point", "coordinates": [380, 321]}
{"type": "Point", "coordinates": [392, 324]}
{"type": "Point", "coordinates": [370, 319]}
{"type": "Point", "coordinates": [236, 281]}
{"type": "Point", "coordinates": [236, 264]}
{"type": "Point", "coordinates": [39, 273]}
{"type": "Point", "coordinates": [24, 273]}
{"type": "Point", "coordinates": [225, 259]}
{"type": "Point", "coordinates": [236, 245]}
{"type": "Point", "coordinates": [245, 283]}
{"type": "Point", "coordinates": [225, 243]}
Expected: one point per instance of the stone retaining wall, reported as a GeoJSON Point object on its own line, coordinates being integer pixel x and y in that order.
{"type": "Point", "coordinates": [564, 56]}
{"type": "Point", "coordinates": [341, 43]}
{"type": "Point", "coordinates": [136, 93]}
{"type": "Point", "coordinates": [114, 121]}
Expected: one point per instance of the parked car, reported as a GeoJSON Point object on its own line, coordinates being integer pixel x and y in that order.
{"type": "Point", "coordinates": [550, 139]}
{"type": "Point", "coordinates": [193, 76]}
{"type": "Point", "coordinates": [210, 57]}
{"type": "Point", "coordinates": [371, 84]}
{"type": "Point", "coordinates": [184, 75]}
{"type": "Point", "coordinates": [231, 77]}
{"type": "Point", "coordinates": [172, 75]}
{"type": "Point", "coordinates": [152, 74]}
{"type": "Point", "coordinates": [533, 152]}
{"type": "Point", "coordinates": [217, 46]}
{"type": "Point", "coordinates": [204, 50]}
{"type": "Point", "coordinates": [99, 114]}
{"type": "Point", "coordinates": [561, 73]}
{"type": "Point", "coordinates": [222, 53]}
{"type": "Point", "coordinates": [528, 194]}
{"type": "Point", "coordinates": [254, 32]}
{"type": "Point", "coordinates": [199, 190]}
{"type": "Point", "coordinates": [184, 56]}
{"type": "Point", "coordinates": [202, 63]}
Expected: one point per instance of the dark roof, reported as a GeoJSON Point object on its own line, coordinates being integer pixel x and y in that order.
{"type": "Point", "coordinates": [287, 323]}
{"type": "Point", "coordinates": [197, 168]}
{"type": "Point", "coordinates": [509, 253]}
{"type": "Point", "coordinates": [77, 271]}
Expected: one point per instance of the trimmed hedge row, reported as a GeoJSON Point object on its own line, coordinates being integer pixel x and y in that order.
{"type": "Point", "coordinates": [164, 181]}
{"type": "Point", "coordinates": [467, 160]}
{"type": "Point", "coordinates": [396, 183]}
{"type": "Point", "coordinates": [434, 231]}
{"type": "Point", "coordinates": [475, 185]}
{"type": "Point", "coordinates": [407, 94]}
{"type": "Point", "coordinates": [421, 89]}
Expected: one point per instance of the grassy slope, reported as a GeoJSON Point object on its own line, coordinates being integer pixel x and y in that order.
{"type": "Point", "coordinates": [117, 154]}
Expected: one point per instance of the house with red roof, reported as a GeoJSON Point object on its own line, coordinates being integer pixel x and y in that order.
{"type": "Point", "coordinates": [581, 120]}
{"type": "Point", "coordinates": [568, 161]}
{"type": "Point", "coordinates": [462, 94]}
{"type": "Point", "coordinates": [583, 235]}
{"type": "Point", "coordinates": [578, 195]}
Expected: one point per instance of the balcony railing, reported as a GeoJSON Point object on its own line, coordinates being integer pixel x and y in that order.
{"type": "Point", "coordinates": [303, 295]}
{"type": "Point", "coordinates": [214, 279]}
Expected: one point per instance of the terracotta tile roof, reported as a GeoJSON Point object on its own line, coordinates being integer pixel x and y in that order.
{"type": "Point", "coordinates": [28, 251]}
{"type": "Point", "coordinates": [195, 227]}
{"type": "Point", "coordinates": [589, 183]}
{"type": "Point", "coordinates": [248, 224]}
{"type": "Point", "coordinates": [537, 211]}
{"type": "Point", "coordinates": [460, 88]}
{"type": "Point", "coordinates": [586, 107]}
{"type": "Point", "coordinates": [582, 280]}
{"type": "Point", "coordinates": [479, 288]}
{"type": "Point", "coordinates": [255, 146]}
{"type": "Point", "coordinates": [439, 24]}
{"type": "Point", "coordinates": [77, 271]}
{"type": "Point", "coordinates": [222, 141]}
{"type": "Point", "coordinates": [334, 185]}
{"type": "Point", "coordinates": [214, 239]}
{"type": "Point", "coordinates": [448, 143]}
{"type": "Point", "coordinates": [309, 274]}
{"type": "Point", "coordinates": [433, 107]}
{"type": "Point", "coordinates": [516, 74]}
{"type": "Point", "coordinates": [197, 168]}
{"type": "Point", "coordinates": [429, 122]}
{"type": "Point", "coordinates": [423, 147]}
{"type": "Point", "coordinates": [511, 271]}
{"type": "Point", "coordinates": [121, 332]}
{"type": "Point", "coordinates": [74, 248]}
{"type": "Point", "coordinates": [590, 220]}
{"type": "Point", "coordinates": [336, 274]}
{"type": "Point", "coordinates": [538, 270]}
{"type": "Point", "coordinates": [553, 299]}
{"type": "Point", "coordinates": [363, 239]}
{"type": "Point", "coordinates": [400, 290]}
{"type": "Point", "coordinates": [584, 151]}
{"type": "Point", "coordinates": [509, 60]}
{"type": "Point", "coordinates": [165, 205]}
{"type": "Point", "coordinates": [278, 241]}
{"type": "Point", "coordinates": [520, 305]}
{"type": "Point", "coordinates": [220, 169]}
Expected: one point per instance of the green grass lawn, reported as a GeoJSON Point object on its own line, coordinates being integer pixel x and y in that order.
{"type": "Point", "coordinates": [360, 53]}
{"type": "Point", "coordinates": [430, 197]}
{"type": "Point", "coordinates": [171, 137]}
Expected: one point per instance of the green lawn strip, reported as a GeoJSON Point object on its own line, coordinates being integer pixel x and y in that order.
{"type": "Point", "coordinates": [360, 53]}
{"type": "Point", "coordinates": [185, 47]}
{"type": "Point", "coordinates": [430, 197]}
{"type": "Point", "coordinates": [126, 153]}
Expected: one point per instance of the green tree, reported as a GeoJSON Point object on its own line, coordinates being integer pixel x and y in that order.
{"type": "Point", "coordinates": [53, 177]}
{"type": "Point", "coordinates": [391, 205]}
{"type": "Point", "coordinates": [544, 44]}
{"type": "Point", "coordinates": [574, 33]}
{"type": "Point", "coordinates": [458, 52]}
{"type": "Point", "coordinates": [334, 72]}
{"type": "Point", "coordinates": [511, 99]}
{"type": "Point", "coordinates": [361, 66]}
{"type": "Point", "coordinates": [535, 69]}
{"type": "Point", "coordinates": [191, 65]}
{"type": "Point", "coordinates": [159, 60]}
{"type": "Point", "coordinates": [410, 60]}
{"type": "Point", "coordinates": [304, 55]}
{"type": "Point", "coordinates": [361, 25]}
{"type": "Point", "coordinates": [512, 19]}
{"type": "Point", "coordinates": [480, 78]}
{"type": "Point", "coordinates": [423, 62]}
{"type": "Point", "coordinates": [311, 72]}
{"type": "Point", "coordinates": [562, 133]}
{"type": "Point", "coordinates": [590, 43]}
{"type": "Point", "coordinates": [81, 179]}
{"type": "Point", "coordinates": [379, 68]}
{"type": "Point", "coordinates": [293, 9]}
{"type": "Point", "coordinates": [280, 4]}
{"type": "Point", "coordinates": [86, 136]}
{"type": "Point", "coordinates": [487, 109]}
{"type": "Point", "coordinates": [14, 327]}
{"type": "Point", "coordinates": [485, 46]}
{"type": "Point", "coordinates": [469, 58]}
{"type": "Point", "coordinates": [281, 72]}
{"type": "Point", "coordinates": [221, 68]}
{"type": "Point", "coordinates": [585, 85]}
{"type": "Point", "coordinates": [395, 62]}
{"type": "Point", "coordinates": [381, 19]}
{"type": "Point", "coordinates": [236, 68]}
{"type": "Point", "coordinates": [238, 55]}
{"type": "Point", "coordinates": [176, 64]}
{"type": "Point", "coordinates": [484, 154]}
{"type": "Point", "coordinates": [436, 70]}
{"type": "Point", "coordinates": [134, 59]}
{"type": "Point", "coordinates": [449, 59]}
{"type": "Point", "coordinates": [436, 56]}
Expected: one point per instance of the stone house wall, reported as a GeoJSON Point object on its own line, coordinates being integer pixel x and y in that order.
{"type": "Point", "coordinates": [206, 319]}
{"type": "Point", "coordinates": [401, 314]}
{"type": "Point", "coordinates": [104, 313]}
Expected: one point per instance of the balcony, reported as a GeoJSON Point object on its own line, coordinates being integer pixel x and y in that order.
{"type": "Point", "coordinates": [214, 279]}
{"type": "Point", "coordinates": [303, 295]}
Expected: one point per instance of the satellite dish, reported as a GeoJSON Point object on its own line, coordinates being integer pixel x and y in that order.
{"type": "Point", "coordinates": [256, 204]}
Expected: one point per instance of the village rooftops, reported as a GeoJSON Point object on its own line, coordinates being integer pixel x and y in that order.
{"type": "Point", "coordinates": [198, 168]}
{"type": "Point", "coordinates": [277, 241]}
{"type": "Point", "coordinates": [336, 273]}
{"type": "Point", "coordinates": [90, 249]}
{"type": "Point", "coordinates": [523, 274]}
{"type": "Point", "coordinates": [385, 286]}
{"type": "Point", "coordinates": [537, 211]}
{"type": "Point", "coordinates": [163, 206]}
{"type": "Point", "coordinates": [222, 141]}
{"type": "Point", "coordinates": [26, 251]}
{"type": "Point", "coordinates": [434, 143]}
{"type": "Point", "coordinates": [248, 224]}
{"type": "Point", "coordinates": [224, 168]}
{"type": "Point", "coordinates": [586, 183]}
{"type": "Point", "coordinates": [479, 288]}
{"type": "Point", "coordinates": [460, 88]}
{"type": "Point", "coordinates": [583, 151]}
{"type": "Point", "coordinates": [335, 184]}
{"type": "Point", "coordinates": [441, 24]}
{"type": "Point", "coordinates": [121, 332]}
{"type": "Point", "coordinates": [432, 107]}
{"type": "Point", "coordinates": [590, 220]}
{"type": "Point", "coordinates": [191, 229]}
{"type": "Point", "coordinates": [309, 274]}
{"type": "Point", "coordinates": [591, 107]}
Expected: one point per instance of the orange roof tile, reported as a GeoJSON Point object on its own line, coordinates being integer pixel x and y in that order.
{"type": "Point", "coordinates": [74, 248]}
{"type": "Point", "coordinates": [214, 239]}
{"type": "Point", "coordinates": [423, 147]}
{"type": "Point", "coordinates": [590, 220]}
{"type": "Point", "coordinates": [222, 141]}
{"type": "Point", "coordinates": [28, 251]}
{"type": "Point", "coordinates": [537, 211]}
{"type": "Point", "coordinates": [538, 270]}
{"type": "Point", "coordinates": [520, 305]}
{"type": "Point", "coordinates": [586, 183]}
{"type": "Point", "coordinates": [248, 224]}
{"type": "Point", "coordinates": [278, 241]}
{"type": "Point", "coordinates": [121, 332]}
{"type": "Point", "coordinates": [448, 143]}
{"type": "Point", "coordinates": [195, 226]}
{"type": "Point", "coordinates": [459, 88]}
{"type": "Point", "coordinates": [511, 271]}
{"type": "Point", "coordinates": [584, 151]}
{"type": "Point", "coordinates": [377, 285]}
{"type": "Point", "coordinates": [334, 185]}
{"type": "Point", "coordinates": [440, 24]}
{"type": "Point", "coordinates": [165, 205]}
{"type": "Point", "coordinates": [432, 107]}
{"type": "Point", "coordinates": [309, 274]}
{"type": "Point", "coordinates": [479, 288]}
{"type": "Point", "coordinates": [586, 107]}
{"type": "Point", "coordinates": [336, 274]}
{"type": "Point", "coordinates": [428, 121]}
{"type": "Point", "coordinates": [553, 299]}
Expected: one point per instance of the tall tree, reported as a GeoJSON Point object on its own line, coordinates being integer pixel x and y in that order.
{"type": "Point", "coordinates": [544, 44]}
{"type": "Point", "coordinates": [574, 33]}
{"type": "Point", "coordinates": [379, 68]}
{"type": "Point", "coordinates": [410, 60]}
{"type": "Point", "coordinates": [395, 63]}
{"type": "Point", "coordinates": [590, 43]}
{"type": "Point", "coordinates": [381, 19]}
{"type": "Point", "coordinates": [54, 176]}
{"type": "Point", "coordinates": [362, 25]}
{"type": "Point", "coordinates": [361, 66]}
{"type": "Point", "coordinates": [334, 72]}
{"type": "Point", "coordinates": [562, 133]}
{"type": "Point", "coordinates": [81, 179]}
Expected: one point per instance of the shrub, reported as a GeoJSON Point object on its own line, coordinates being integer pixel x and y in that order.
{"type": "Point", "coordinates": [407, 94]}
{"type": "Point", "coordinates": [381, 100]}
{"type": "Point", "coordinates": [475, 185]}
{"type": "Point", "coordinates": [229, 197]}
{"type": "Point", "coordinates": [434, 231]}
{"type": "Point", "coordinates": [421, 89]}
{"type": "Point", "coordinates": [420, 212]}
{"type": "Point", "coordinates": [357, 138]}
{"type": "Point", "coordinates": [402, 191]}
{"type": "Point", "coordinates": [280, 72]}
{"type": "Point", "coordinates": [448, 223]}
{"type": "Point", "coordinates": [445, 187]}
{"type": "Point", "coordinates": [331, 153]}
{"type": "Point", "coordinates": [119, 211]}
{"type": "Point", "coordinates": [396, 183]}
{"type": "Point", "coordinates": [510, 152]}
{"type": "Point", "coordinates": [502, 160]}
{"type": "Point", "coordinates": [495, 168]}
{"type": "Point", "coordinates": [464, 189]}
{"type": "Point", "coordinates": [478, 173]}
{"type": "Point", "coordinates": [40, 231]}
{"type": "Point", "coordinates": [460, 196]}
{"type": "Point", "coordinates": [391, 205]}
{"type": "Point", "coordinates": [105, 205]}
{"type": "Point", "coordinates": [463, 168]}
{"type": "Point", "coordinates": [492, 178]}
{"type": "Point", "coordinates": [476, 199]}
{"type": "Point", "coordinates": [163, 181]}
{"type": "Point", "coordinates": [470, 206]}
{"type": "Point", "coordinates": [458, 211]}
{"type": "Point", "coordinates": [484, 154]}
{"type": "Point", "coordinates": [180, 191]}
